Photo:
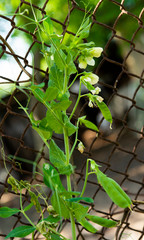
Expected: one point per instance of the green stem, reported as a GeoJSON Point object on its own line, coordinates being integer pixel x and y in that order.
{"type": "Point", "coordinates": [65, 80]}
{"type": "Point", "coordinates": [33, 236]}
{"type": "Point", "coordinates": [77, 102]}
{"type": "Point", "coordinates": [86, 178]}
{"type": "Point", "coordinates": [75, 142]}
{"type": "Point", "coordinates": [67, 152]}
{"type": "Point", "coordinates": [23, 212]}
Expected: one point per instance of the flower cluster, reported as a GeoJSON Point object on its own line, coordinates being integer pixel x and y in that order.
{"type": "Point", "coordinates": [87, 57]}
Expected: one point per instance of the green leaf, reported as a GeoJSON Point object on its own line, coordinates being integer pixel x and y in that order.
{"type": "Point", "coordinates": [21, 231]}
{"type": "Point", "coordinates": [84, 29]}
{"type": "Point", "coordinates": [85, 199]}
{"type": "Point", "coordinates": [6, 212]}
{"type": "Point", "coordinates": [55, 236]}
{"type": "Point", "coordinates": [89, 124]}
{"type": "Point", "coordinates": [44, 133]}
{"type": "Point", "coordinates": [102, 221]}
{"type": "Point", "coordinates": [28, 207]}
{"type": "Point", "coordinates": [88, 226]}
{"type": "Point", "coordinates": [57, 156]}
{"type": "Point", "coordinates": [68, 125]}
{"type": "Point", "coordinates": [55, 121]}
{"type": "Point", "coordinates": [79, 210]}
{"type": "Point", "coordinates": [51, 178]}
{"type": "Point", "coordinates": [104, 110]}
{"type": "Point", "coordinates": [48, 26]}
{"type": "Point", "coordinates": [68, 194]}
{"type": "Point", "coordinates": [56, 78]}
{"type": "Point", "coordinates": [60, 205]}
{"type": "Point", "coordinates": [52, 219]}
{"type": "Point", "coordinates": [38, 93]}
{"type": "Point", "coordinates": [114, 191]}
{"type": "Point", "coordinates": [51, 93]}
{"type": "Point", "coordinates": [59, 58]}
{"type": "Point", "coordinates": [71, 66]}
{"type": "Point", "coordinates": [61, 106]}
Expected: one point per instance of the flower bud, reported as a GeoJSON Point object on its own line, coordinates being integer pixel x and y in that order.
{"type": "Point", "coordinates": [97, 90]}
{"type": "Point", "coordinates": [82, 62]}
{"type": "Point", "coordinates": [100, 99]}
{"type": "Point", "coordinates": [90, 104]}
{"type": "Point", "coordinates": [96, 51]}
{"type": "Point", "coordinates": [81, 147]}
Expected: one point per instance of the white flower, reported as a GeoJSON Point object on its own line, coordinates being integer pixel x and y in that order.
{"type": "Point", "coordinates": [91, 78]}
{"type": "Point", "coordinates": [90, 104]}
{"type": "Point", "coordinates": [94, 78]}
{"type": "Point", "coordinates": [81, 147]}
{"type": "Point", "coordinates": [100, 99]}
{"type": "Point", "coordinates": [90, 61]}
{"type": "Point", "coordinates": [82, 62]}
{"type": "Point", "coordinates": [97, 90]}
{"type": "Point", "coordinates": [96, 51]}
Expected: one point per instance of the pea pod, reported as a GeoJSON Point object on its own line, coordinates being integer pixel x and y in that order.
{"type": "Point", "coordinates": [102, 221]}
{"type": "Point", "coordinates": [88, 226]}
{"type": "Point", "coordinates": [113, 189]}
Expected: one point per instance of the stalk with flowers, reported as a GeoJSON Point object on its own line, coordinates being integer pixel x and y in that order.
{"type": "Point", "coordinates": [65, 202]}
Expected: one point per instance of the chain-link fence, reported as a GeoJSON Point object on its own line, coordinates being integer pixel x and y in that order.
{"type": "Point", "coordinates": [117, 26]}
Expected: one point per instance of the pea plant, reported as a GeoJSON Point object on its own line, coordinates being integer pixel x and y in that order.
{"type": "Point", "coordinates": [64, 62]}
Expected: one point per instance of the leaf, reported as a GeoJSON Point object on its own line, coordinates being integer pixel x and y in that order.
{"type": "Point", "coordinates": [79, 210]}
{"type": "Point", "coordinates": [114, 191]}
{"type": "Point", "coordinates": [51, 93]}
{"type": "Point", "coordinates": [44, 133]}
{"type": "Point", "coordinates": [6, 212]}
{"type": "Point", "coordinates": [104, 110]}
{"type": "Point", "coordinates": [57, 156]}
{"type": "Point", "coordinates": [60, 205]}
{"type": "Point", "coordinates": [88, 226]}
{"type": "Point", "coordinates": [55, 236]}
{"type": "Point", "coordinates": [62, 105]}
{"type": "Point", "coordinates": [55, 121]}
{"type": "Point", "coordinates": [102, 221]}
{"type": "Point", "coordinates": [21, 231]}
{"type": "Point", "coordinates": [71, 66]}
{"type": "Point", "coordinates": [85, 199]}
{"type": "Point", "coordinates": [56, 78]}
{"type": "Point", "coordinates": [28, 207]}
{"type": "Point", "coordinates": [59, 58]}
{"type": "Point", "coordinates": [89, 124]}
{"type": "Point", "coordinates": [51, 178]}
{"type": "Point", "coordinates": [68, 125]}
{"type": "Point", "coordinates": [84, 29]}
{"type": "Point", "coordinates": [52, 219]}
{"type": "Point", "coordinates": [48, 26]}
{"type": "Point", "coordinates": [38, 93]}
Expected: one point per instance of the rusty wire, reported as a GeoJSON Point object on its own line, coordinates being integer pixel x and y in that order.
{"type": "Point", "coordinates": [119, 151]}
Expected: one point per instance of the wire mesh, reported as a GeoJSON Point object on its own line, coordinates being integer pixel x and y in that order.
{"type": "Point", "coordinates": [118, 150]}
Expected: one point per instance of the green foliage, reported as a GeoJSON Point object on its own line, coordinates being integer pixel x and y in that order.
{"type": "Point", "coordinates": [6, 212]}
{"type": "Point", "coordinates": [21, 231]}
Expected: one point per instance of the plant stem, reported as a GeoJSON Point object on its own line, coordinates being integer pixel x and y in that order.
{"type": "Point", "coordinates": [67, 152]}
{"type": "Point", "coordinates": [85, 182]}
{"type": "Point", "coordinates": [77, 102]}
{"type": "Point", "coordinates": [23, 212]}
